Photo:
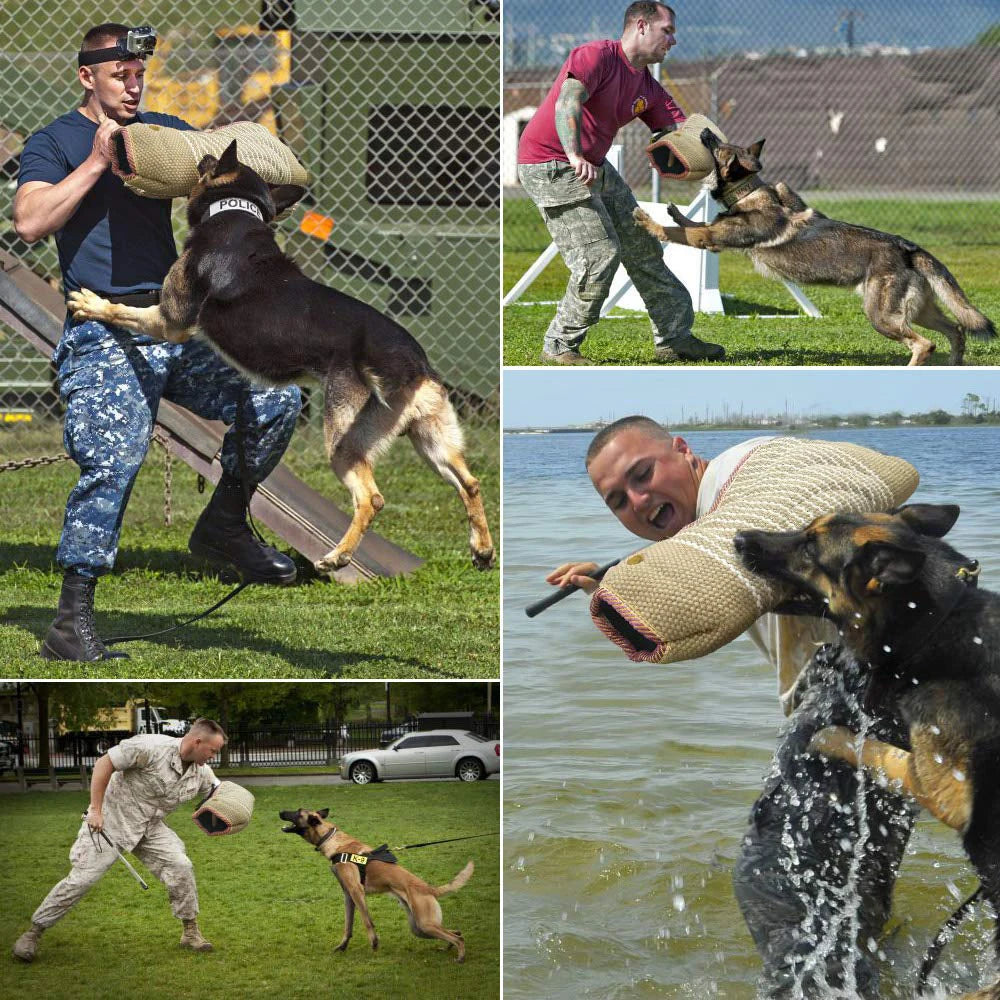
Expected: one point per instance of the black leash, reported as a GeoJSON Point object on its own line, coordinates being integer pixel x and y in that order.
{"type": "Point", "coordinates": [942, 938]}
{"type": "Point", "coordinates": [173, 628]}
{"type": "Point", "coordinates": [241, 455]}
{"type": "Point", "coordinates": [429, 843]}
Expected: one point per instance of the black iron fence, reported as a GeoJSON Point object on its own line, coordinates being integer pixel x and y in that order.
{"type": "Point", "coordinates": [262, 746]}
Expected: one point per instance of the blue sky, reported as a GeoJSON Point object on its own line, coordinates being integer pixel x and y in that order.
{"type": "Point", "coordinates": [713, 27]}
{"type": "Point", "coordinates": [558, 397]}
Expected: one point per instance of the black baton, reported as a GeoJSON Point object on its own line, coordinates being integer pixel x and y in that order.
{"type": "Point", "coordinates": [556, 596]}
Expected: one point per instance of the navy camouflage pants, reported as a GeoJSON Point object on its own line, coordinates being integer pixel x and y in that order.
{"type": "Point", "coordinates": [112, 381]}
{"type": "Point", "coordinates": [815, 876]}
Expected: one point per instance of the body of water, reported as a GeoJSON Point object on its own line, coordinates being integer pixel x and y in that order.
{"type": "Point", "coordinates": [627, 786]}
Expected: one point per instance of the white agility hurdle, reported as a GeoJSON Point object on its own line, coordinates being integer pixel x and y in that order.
{"type": "Point", "coordinates": [698, 270]}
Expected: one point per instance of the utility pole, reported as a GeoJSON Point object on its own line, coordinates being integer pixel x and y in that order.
{"type": "Point", "coordinates": [849, 16]}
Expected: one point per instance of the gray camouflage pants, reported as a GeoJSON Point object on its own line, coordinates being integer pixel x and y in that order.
{"type": "Point", "coordinates": [112, 381]}
{"type": "Point", "coordinates": [594, 231]}
{"type": "Point", "coordinates": [160, 850]}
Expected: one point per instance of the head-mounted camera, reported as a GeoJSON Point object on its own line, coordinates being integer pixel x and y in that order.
{"type": "Point", "coordinates": [138, 43]}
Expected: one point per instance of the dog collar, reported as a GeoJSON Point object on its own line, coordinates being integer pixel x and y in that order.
{"type": "Point", "coordinates": [326, 836]}
{"type": "Point", "coordinates": [232, 205]}
{"type": "Point", "coordinates": [732, 193]}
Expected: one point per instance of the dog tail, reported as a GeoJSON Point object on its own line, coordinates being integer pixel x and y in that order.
{"type": "Point", "coordinates": [947, 289]}
{"type": "Point", "coordinates": [456, 883]}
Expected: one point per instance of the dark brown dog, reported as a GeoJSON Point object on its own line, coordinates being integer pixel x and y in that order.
{"type": "Point", "coordinates": [419, 899]}
{"type": "Point", "coordinates": [233, 284]}
{"type": "Point", "coordinates": [785, 238]}
{"type": "Point", "coordinates": [905, 603]}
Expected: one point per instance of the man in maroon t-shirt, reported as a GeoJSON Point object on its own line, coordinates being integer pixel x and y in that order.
{"type": "Point", "coordinates": [584, 201]}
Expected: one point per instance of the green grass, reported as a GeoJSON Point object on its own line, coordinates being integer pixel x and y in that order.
{"type": "Point", "coordinates": [269, 903]}
{"type": "Point", "coordinates": [964, 235]}
{"type": "Point", "coordinates": [442, 621]}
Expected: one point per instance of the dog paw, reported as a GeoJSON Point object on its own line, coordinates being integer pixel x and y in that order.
{"type": "Point", "coordinates": [485, 559]}
{"type": "Point", "coordinates": [677, 215]}
{"type": "Point", "coordinates": [640, 216]}
{"type": "Point", "coordinates": [86, 304]}
{"type": "Point", "coordinates": [333, 560]}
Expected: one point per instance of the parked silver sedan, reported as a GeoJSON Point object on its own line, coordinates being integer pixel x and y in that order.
{"type": "Point", "coordinates": [437, 753]}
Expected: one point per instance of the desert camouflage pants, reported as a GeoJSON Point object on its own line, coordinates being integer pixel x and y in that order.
{"type": "Point", "coordinates": [594, 231]}
{"type": "Point", "coordinates": [160, 850]}
{"type": "Point", "coordinates": [112, 382]}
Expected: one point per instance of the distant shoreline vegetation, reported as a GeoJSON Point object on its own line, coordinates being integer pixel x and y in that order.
{"type": "Point", "coordinates": [971, 416]}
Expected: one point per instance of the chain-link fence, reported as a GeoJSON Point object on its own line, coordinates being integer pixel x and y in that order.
{"type": "Point", "coordinates": [393, 109]}
{"type": "Point", "coordinates": [895, 101]}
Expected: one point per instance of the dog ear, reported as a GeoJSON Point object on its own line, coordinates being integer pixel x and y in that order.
{"type": "Point", "coordinates": [285, 195]}
{"type": "Point", "coordinates": [935, 520]}
{"type": "Point", "coordinates": [755, 148]}
{"type": "Point", "coordinates": [323, 812]}
{"type": "Point", "coordinates": [709, 138]}
{"type": "Point", "coordinates": [206, 165]}
{"type": "Point", "coordinates": [227, 162]}
{"type": "Point", "coordinates": [888, 565]}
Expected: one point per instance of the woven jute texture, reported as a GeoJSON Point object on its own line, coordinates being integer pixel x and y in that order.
{"type": "Point", "coordinates": [690, 594]}
{"type": "Point", "coordinates": [228, 810]}
{"type": "Point", "coordinates": [691, 161]}
{"type": "Point", "coordinates": [164, 161]}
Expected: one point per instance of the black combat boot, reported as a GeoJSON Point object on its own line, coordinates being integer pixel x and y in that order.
{"type": "Point", "coordinates": [223, 537]}
{"type": "Point", "coordinates": [73, 635]}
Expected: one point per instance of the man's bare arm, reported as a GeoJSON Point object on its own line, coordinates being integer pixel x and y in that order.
{"type": "Point", "coordinates": [568, 112]}
{"type": "Point", "coordinates": [40, 209]}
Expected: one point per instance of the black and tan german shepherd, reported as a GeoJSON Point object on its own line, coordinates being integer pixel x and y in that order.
{"type": "Point", "coordinates": [360, 871]}
{"type": "Point", "coordinates": [905, 603]}
{"type": "Point", "coordinates": [785, 238]}
{"type": "Point", "coordinates": [233, 285]}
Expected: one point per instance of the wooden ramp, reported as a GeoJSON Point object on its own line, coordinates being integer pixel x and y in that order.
{"type": "Point", "coordinates": [305, 519]}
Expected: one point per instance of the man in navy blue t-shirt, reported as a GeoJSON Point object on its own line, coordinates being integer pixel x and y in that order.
{"type": "Point", "coordinates": [121, 245]}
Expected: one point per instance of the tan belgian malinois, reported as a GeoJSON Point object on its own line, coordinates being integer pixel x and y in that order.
{"type": "Point", "coordinates": [786, 238]}
{"type": "Point", "coordinates": [360, 870]}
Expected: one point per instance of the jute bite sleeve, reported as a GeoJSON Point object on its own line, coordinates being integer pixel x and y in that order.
{"type": "Point", "coordinates": [689, 595]}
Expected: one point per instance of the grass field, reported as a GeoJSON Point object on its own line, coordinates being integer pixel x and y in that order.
{"type": "Point", "coordinates": [269, 903]}
{"type": "Point", "coordinates": [441, 621]}
{"type": "Point", "coordinates": [964, 235]}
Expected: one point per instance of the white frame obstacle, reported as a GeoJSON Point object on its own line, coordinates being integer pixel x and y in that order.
{"type": "Point", "coordinates": [698, 270]}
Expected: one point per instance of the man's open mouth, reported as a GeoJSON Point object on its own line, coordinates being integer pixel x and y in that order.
{"type": "Point", "coordinates": [661, 516]}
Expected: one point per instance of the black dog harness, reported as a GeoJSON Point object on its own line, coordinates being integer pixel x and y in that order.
{"type": "Point", "coordinates": [380, 853]}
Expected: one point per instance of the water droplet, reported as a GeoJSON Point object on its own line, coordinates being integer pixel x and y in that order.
{"type": "Point", "coordinates": [911, 604]}
{"type": "Point", "coordinates": [938, 759]}
{"type": "Point", "coordinates": [977, 639]}
{"type": "Point", "coordinates": [936, 730]}
{"type": "Point", "coordinates": [679, 903]}
{"type": "Point", "coordinates": [887, 649]}
{"type": "Point", "coordinates": [958, 775]}
{"type": "Point", "coordinates": [531, 836]}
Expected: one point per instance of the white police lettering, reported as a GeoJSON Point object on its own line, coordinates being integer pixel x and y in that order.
{"type": "Point", "coordinates": [234, 205]}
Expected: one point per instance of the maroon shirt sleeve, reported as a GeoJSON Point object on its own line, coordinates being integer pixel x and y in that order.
{"type": "Point", "coordinates": [586, 64]}
{"type": "Point", "coordinates": [663, 111]}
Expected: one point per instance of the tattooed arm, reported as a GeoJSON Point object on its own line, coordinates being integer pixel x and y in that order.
{"type": "Point", "coordinates": [569, 108]}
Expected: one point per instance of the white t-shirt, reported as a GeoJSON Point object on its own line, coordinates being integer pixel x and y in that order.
{"type": "Point", "coordinates": [788, 641]}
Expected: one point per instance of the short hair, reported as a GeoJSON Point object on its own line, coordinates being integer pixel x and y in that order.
{"type": "Point", "coordinates": [209, 727]}
{"type": "Point", "coordinates": [645, 9]}
{"type": "Point", "coordinates": [652, 427]}
{"type": "Point", "coordinates": [99, 36]}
